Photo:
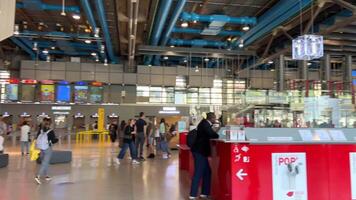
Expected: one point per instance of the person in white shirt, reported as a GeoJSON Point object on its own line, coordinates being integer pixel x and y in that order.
{"type": "Point", "coordinates": [25, 138]}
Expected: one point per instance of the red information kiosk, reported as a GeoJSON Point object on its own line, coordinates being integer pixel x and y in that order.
{"type": "Point", "coordinates": [285, 164]}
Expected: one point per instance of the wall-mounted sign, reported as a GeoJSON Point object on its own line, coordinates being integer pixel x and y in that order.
{"type": "Point", "coordinates": [60, 113]}
{"type": "Point", "coordinates": [169, 110]}
{"type": "Point", "coordinates": [61, 108]}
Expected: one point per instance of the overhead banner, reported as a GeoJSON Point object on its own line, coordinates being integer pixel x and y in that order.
{"type": "Point", "coordinates": [289, 176]}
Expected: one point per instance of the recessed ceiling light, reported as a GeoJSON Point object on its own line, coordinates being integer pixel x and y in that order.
{"type": "Point", "coordinates": [165, 58]}
{"type": "Point", "coordinates": [93, 54]}
{"type": "Point", "coordinates": [184, 24]}
{"type": "Point", "coordinates": [88, 41]}
{"type": "Point", "coordinates": [246, 28]}
{"type": "Point", "coordinates": [76, 16]}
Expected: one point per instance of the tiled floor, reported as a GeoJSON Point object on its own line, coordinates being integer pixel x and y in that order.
{"type": "Point", "coordinates": [94, 176]}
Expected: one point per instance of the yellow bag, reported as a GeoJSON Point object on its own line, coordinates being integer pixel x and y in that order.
{"type": "Point", "coordinates": [34, 152]}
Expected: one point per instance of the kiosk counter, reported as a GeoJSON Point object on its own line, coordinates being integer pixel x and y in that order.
{"type": "Point", "coordinates": [283, 164]}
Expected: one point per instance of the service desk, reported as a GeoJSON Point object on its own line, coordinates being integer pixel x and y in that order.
{"type": "Point", "coordinates": [281, 164]}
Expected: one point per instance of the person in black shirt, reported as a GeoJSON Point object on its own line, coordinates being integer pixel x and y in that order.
{"type": "Point", "coordinates": [141, 127]}
{"type": "Point", "coordinates": [113, 128]}
{"type": "Point", "coordinates": [128, 143]}
{"type": "Point", "coordinates": [201, 151]}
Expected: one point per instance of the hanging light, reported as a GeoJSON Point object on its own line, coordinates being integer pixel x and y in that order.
{"type": "Point", "coordinates": [184, 24]}
{"type": "Point", "coordinates": [35, 45]}
{"type": "Point", "coordinates": [195, 21]}
{"type": "Point", "coordinates": [165, 58]}
{"type": "Point", "coordinates": [196, 68]}
{"type": "Point", "coordinates": [48, 58]}
{"type": "Point", "coordinates": [309, 63]}
{"type": "Point", "coordinates": [63, 13]}
{"type": "Point", "coordinates": [96, 32]}
{"type": "Point", "coordinates": [16, 29]}
{"type": "Point", "coordinates": [53, 48]}
{"type": "Point", "coordinates": [270, 62]}
{"type": "Point", "coordinates": [88, 41]}
{"type": "Point", "coordinates": [172, 46]}
{"type": "Point", "coordinates": [105, 62]}
{"type": "Point", "coordinates": [245, 28]}
{"type": "Point", "coordinates": [96, 58]}
{"type": "Point", "coordinates": [93, 54]}
{"type": "Point", "coordinates": [241, 44]}
{"type": "Point", "coordinates": [102, 48]}
{"type": "Point", "coordinates": [206, 59]}
{"type": "Point", "coordinates": [150, 65]}
{"type": "Point", "coordinates": [76, 16]}
{"type": "Point", "coordinates": [45, 51]}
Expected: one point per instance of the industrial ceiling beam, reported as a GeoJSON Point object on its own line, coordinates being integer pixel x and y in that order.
{"type": "Point", "coordinates": [345, 4]}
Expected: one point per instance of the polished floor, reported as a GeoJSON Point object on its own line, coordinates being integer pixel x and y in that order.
{"type": "Point", "coordinates": [93, 175]}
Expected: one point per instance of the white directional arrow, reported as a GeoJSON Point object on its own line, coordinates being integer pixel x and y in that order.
{"type": "Point", "coordinates": [240, 174]}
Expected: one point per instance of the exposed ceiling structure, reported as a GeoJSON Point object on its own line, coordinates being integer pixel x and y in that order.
{"type": "Point", "coordinates": [168, 32]}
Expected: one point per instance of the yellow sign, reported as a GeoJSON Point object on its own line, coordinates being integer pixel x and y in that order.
{"type": "Point", "coordinates": [101, 119]}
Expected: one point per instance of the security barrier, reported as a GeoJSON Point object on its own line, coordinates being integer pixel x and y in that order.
{"type": "Point", "coordinates": [87, 136]}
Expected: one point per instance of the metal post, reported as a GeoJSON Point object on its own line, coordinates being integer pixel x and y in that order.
{"type": "Point", "coordinates": [327, 75]}
{"type": "Point", "coordinates": [303, 66]}
{"type": "Point", "coordinates": [280, 73]}
{"type": "Point", "coordinates": [348, 72]}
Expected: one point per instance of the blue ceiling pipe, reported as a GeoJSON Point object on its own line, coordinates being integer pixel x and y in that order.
{"type": "Point", "coordinates": [199, 31]}
{"type": "Point", "coordinates": [166, 35]}
{"type": "Point", "coordinates": [23, 47]}
{"type": "Point", "coordinates": [277, 15]}
{"type": "Point", "coordinates": [89, 15]}
{"type": "Point", "coordinates": [159, 22]}
{"type": "Point", "coordinates": [221, 18]}
{"type": "Point", "coordinates": [199, 43]}
{"type": "Point", "coordinates": [58, 34]}
{"type": "Point", "coordinates": [59, 52]}
{"type": "Point", "coordinates": [77, 45]}
{"type": "Point", "coordinates": [102, 19]}
{"type": "Point", "coordinates": [39, 5]}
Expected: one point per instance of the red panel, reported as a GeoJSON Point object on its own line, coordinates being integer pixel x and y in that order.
{"type": "Point", "coordinates": [328, 171]}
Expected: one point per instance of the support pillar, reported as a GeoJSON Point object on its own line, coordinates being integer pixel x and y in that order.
{"type": "Point", "coordinates": [348, 72]}
{"type": "Point", "coordinates": [280, 73]}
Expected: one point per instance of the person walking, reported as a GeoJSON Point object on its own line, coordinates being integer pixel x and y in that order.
{"type": "Point", "coordinates": [163, 139]}
{"type": "Point", "coordinates": [113, 128]}
{"type": "Point", "coordinates": [141, 128]}
{"type": "Point", "coordinates": [121, 132]}
{"type": "Point", "coordinates": [25, 138]}
{"type": "Point", "coordinates": [46, 138]}
{"type": "Point", "coordinates": [128, 143]}
{"type": "Point", "coordinates": [201, 151]}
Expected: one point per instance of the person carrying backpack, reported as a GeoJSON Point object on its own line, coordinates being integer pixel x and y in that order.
{"type": "Point", "coordinates": [45, 140]}
{"type": "Point", "coordinates": [201, 151]}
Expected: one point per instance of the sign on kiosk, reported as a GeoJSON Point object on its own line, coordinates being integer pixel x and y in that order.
{"type": "Point", "coordinates": [289, 176]}
{"type": "Point", "coordinates": [353, 174]}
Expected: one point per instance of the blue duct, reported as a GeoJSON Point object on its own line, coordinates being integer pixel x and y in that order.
{"type": "Point", "coordinates": [39, 5]}
{"type": "Point", "coordinates": [89, 15]}
{"type": "Point", "coordinates": [199, 43]}
{"type": "Point", "coordinates": [221, 18]}
{"type": "Point", "coordinates": [177, 11]}
{"type": "Point", "coordinates": [23, 47]}
{"type": "Point", "coordinates": [58, 34]}
{"type": "Point", "coordinates": [59, 52]}
{"type": "Point", "coordinates": [277, 15]}
{"type": "Point", "coordinates": [46, 44]}
{"type": "Point", "coordinates": [199, 31]}
{"type": "Point", "coordinates": [159, 22]}
{"type": "Point", "coordinates": [105, 28]}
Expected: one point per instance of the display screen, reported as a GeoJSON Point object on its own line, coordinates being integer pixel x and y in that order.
{"type": "Point", "coordinates": [12, 91]}
{"type": "Point", "coordinates": [354, 73]}
{"type": "Point", "coordinates": [63, 93]}
{"type": "Point", "coordinates": [96, 94]}
{"type": "Point", "coordinates": [28, 93]}
{"type": "Point", "coordinates": [47, 93]}
{"type": "Point", "coordinates": [80, 93]}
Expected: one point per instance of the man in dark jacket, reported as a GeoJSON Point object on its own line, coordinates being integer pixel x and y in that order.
{"type": "Point", "coordinates": [201, 151]}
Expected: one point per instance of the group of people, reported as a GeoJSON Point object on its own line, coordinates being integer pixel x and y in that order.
{"type": "Point", "coordinates": [134, 134]}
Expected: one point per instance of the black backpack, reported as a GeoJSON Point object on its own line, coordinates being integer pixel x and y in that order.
{"type": "Point", "coordinates": [192, 137]}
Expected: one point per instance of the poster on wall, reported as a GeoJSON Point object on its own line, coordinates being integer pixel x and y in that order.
{"type": "Point", "coordinates": [96, 94]}
{"type": "Point", "coordinates": [28, 93]}
{"type": "Point", "coordinates": [353, 174]}
{"type": "Point", "coordinates": [289, 176]}
{"type": "Point", "coordinates": [12, 92]}
{"type": "Point", "coordinates": [47, 93]}
{"type": "Point", "coordinates": [80, 93]}
{"type": "Point", "coordinates": [63, 93]}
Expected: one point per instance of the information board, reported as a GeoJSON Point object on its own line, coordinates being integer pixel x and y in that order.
{"type": "Point", "coordinates": [47, 93]}
{"type": "Point", "coordinates": [81, 93]}
{"type": "Point", "coordinates": [28, 93]}
{"type": "Point", "coordinates": [63, 93]}
{"type": "Point", "coordinates": [96, 94]}
{"type": "Point", "coordinates": [12, 92]}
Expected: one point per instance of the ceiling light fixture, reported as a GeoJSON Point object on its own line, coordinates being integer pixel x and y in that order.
{"type": "Point", "coordinates": [102, 48]}
{"type": "Point", "coordinates": [35, 46]}
{"type": "Point", "coordinates": [105, 62]}
{"type": "Point", "coordinates": [88, 41]}
{"type": "Point", "coordinates": [185, 60]}
{"type": "Point", "coordinates": [165, 58]}
{"type": "Point", "coordinates": [184, 24]}
{"type": "Point", "coordinates": [53, 48]}
{"type": "Point", "coordinates": [48, 58]}
{"type": "Point", "coordinates": [270, 62]}
{"type": "Point", "coordinates": [195, 21]}
{"type": "Point", "coordinates": [16, 30]}
{"type": "Point", "coordinates": [272, 70]}
{"type": "Point", "coordinates": [309, 63]}
{"type": "Point", "coordinates": [63, 13]}
{"type": "Point", "coordinates": [245, 28]}
{"type": "Point", "coordinates": [76, 16]}
{"type": "Point", "coordinates": [96, 32]}
{"type": "Point", "coordinates": [172, 46]}
{"type": "Point", "coordinates": [197, 68]}
{"type": "Point", "coordinates": [96, 59]}
{"type": "Point", "coordinates": [229, 39]}
{"type": "Point", "coordinates": [150, 65]}
{"type": "Point", "coordinates": [206, 59]}
{"type": "Point", "coordinates": [93, 54]}
{"type": "Point", "coordinates": [45, 51]}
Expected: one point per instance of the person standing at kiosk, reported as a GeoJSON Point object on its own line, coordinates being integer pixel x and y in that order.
{"type": "Point", "coordinates": [201, 151]}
